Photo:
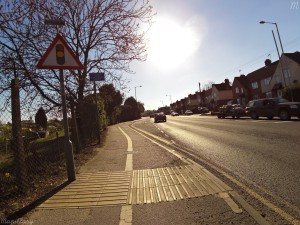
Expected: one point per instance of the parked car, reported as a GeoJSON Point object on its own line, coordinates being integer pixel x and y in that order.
{"type": "Point", "coordinates": [203, 110]}
{"type": "Point", "coordinates": [234, 111]}
{"type": "Point", "coordinates": [160, 117]}
{"type": "Point", "coordinates": [272, 107]}
{"type": "Point", "coordinates": [174, 114]}
{"type": "Point", "coordinates": [152, 115]}
{"type": "Point", "coordinates": [188, 112]}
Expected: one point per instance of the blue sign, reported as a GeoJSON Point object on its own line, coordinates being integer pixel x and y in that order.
{"type": "Point", "coordinates": [97, 77]}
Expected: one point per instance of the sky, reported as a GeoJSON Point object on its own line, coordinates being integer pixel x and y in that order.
{"type": "Point", "coordinates": [200, 41]}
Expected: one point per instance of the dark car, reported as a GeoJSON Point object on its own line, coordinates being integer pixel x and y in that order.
{"type": "Point", "coordinates": [234, 111]}
{"type": "Point", "coordinates": [152, 115]}
{"type": "Point", "coordinates": [160, 117]}
{"type": "Point", "coordinates": [203, 110]}
{"type": "Point", "coordinates": [272, 107]}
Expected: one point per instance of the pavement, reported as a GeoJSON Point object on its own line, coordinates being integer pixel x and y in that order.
{"type": "Point", "coordinates": [136, 180]}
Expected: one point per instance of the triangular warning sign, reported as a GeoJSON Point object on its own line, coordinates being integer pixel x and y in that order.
{"type": "Point", "coordinates": [59, 56]}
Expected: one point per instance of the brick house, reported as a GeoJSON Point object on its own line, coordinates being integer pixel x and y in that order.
{"type": "Point", "coordinates": [241, 90]}
{"type": "Point", "coordinates": [221, 94]}
{"type": "Point", "coordinates": [193, 102]}
{"type": "Point", "coordinates": [260, 80]}
{"type": "Point", "coordinates": [284, 76]}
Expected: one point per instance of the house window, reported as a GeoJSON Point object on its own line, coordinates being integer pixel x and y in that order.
{"type": "Point", "coordinates": [267, 81]}
{"type": "Point", "coordinates": [254, 85]}
{"type": "Point", "coordinates": [242, 90]}
{"type": "Point", "coordinates": [277, 79]}
{"type": "Point", "coordinates": [269, 94]}
{"type": "Point", "coordinates": [237, 90]}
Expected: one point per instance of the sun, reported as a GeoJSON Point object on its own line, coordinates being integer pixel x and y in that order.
{"type": "Point", "coordinates": [171, 44]}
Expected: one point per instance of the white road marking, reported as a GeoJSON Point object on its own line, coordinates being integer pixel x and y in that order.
{"type": "Point", "coordinates": [126, 211]}
{"type": "Point", "coordinates": [269, 121]}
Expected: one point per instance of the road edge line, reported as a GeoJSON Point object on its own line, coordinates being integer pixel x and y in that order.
{"type": "Point", "coordinates": [126, 210]}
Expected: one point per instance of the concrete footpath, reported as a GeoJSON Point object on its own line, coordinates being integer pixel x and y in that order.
{"type": "Point", "coordinates": [135, 180]}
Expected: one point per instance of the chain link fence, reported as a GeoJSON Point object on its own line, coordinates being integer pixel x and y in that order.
{"type": "Point", "coordinates": [32, 159]}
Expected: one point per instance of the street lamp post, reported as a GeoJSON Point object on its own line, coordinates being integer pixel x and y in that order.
{"type": "Point", "coordinates": [170, 101]}
{"type": "Point", "coordinates": [282, 52]}
{"type": "Point", "coordinates": [135, 91]}
{"type": "Point", "coordinates": [170, 98]}
{"type": "Point", "coordinates": [263, 22]}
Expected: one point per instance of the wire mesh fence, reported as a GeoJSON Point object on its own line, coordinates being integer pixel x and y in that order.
{"type": "Point", "coordinates": [32, 158]}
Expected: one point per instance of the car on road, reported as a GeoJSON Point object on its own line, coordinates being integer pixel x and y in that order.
{"type": "Point", "coordinates": [160, 117]}
{"type": "Point", "coordinates": [174, 113]}
{"type": "Point", "coordinates": [234, 111]}
{"type": "Point", "coordinates": [272, 107]}
{"type": "Point", "coordinates": [203, 110]}
{"type": "Point", "coordinates": [188, 112]}
{"type": "Point", "coordinates": [152, 115]}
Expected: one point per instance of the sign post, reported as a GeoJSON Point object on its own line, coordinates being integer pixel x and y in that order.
{"type": "Point", "coordinates": [97, 77]}
{"type": "Point", "coordinates": [60, 56]}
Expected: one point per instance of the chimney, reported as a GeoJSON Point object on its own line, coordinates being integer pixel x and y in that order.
{"type": "Point", "coordinates": [227, 82]}
{"type": "Point", "coordinates": [268, 62]}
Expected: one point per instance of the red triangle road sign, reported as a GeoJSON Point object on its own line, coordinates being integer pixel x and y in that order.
{"type": "Point", "coordinates": [59, 56]}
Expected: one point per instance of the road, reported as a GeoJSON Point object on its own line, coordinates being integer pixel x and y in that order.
{"type": "Point", "coordinates": [261, 155]}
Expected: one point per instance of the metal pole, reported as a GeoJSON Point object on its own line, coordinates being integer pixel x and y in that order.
{"type": "Point", "coordinates": [286, 65]}
{"type": "Point", "coordinates": [68, 143]}
{"type": "Point", "coordinates": [279, 59]}
{"type": "Point", "coordinates": [97, 114]}
{"type": "Point", "coordinates": [279, 38]}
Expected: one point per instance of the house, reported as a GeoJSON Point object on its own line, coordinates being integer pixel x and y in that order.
{"type": "Point", "coordinates": [241, 90]}
{"type": "Point", "coordinates": [221, 94]}
{"type": "Point", "coordinates": [193, 103]}
{"type": "Point", "coordinates": [181, 105]}
{"type": "Point", "coordinates": [259, 80]}
{"type": "Point", "coordinates": [176, 106]}
{"type": "Point", "coordinates": [165, 110]}
{"type": "Point", "coordinates": [286, 74]}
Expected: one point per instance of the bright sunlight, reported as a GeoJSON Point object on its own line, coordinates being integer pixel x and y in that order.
{"type": "Point", "coordinates": [171, 44]}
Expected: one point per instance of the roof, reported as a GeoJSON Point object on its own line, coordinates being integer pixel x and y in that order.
{"type": "Point", "coordinates": [192, 96]}
{"type": "Point", "coordinates": [207, 92]}
{"type": "Point", "coordinates": [263, 72]}
{"type": "Point", "coordinates": [294, 56]}
{"type": "Point", "coordinates": [222, 87]}
{"type": "Point", "coordinates": [243, 80]}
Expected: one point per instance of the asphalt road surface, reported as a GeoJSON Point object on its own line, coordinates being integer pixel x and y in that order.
{"type": "Point", "coordinates": [263, 155]}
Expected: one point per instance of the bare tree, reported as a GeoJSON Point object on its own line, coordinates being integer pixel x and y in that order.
{"type": "Point", "coordinates": [107, 35]}
{"type": "Point", "coordinates": [208, 85]}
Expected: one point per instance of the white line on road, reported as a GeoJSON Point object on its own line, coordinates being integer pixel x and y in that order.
{"type": "Point", "coordinates": [129, 159]}
{"type": "Point", "coordinates": [126, 211]}
{"type": "Point", "coordinates": [269, 121]}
